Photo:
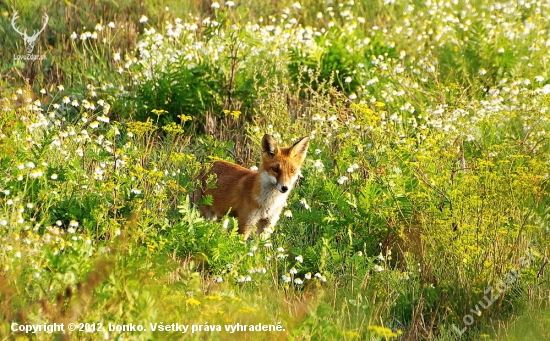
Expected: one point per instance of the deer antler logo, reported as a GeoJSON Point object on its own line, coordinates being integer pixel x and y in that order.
{"type": "Point", "coordinates": [29, 40]}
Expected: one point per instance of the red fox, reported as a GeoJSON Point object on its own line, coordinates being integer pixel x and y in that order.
{"type": "Point", "coordinates": [256, 198]}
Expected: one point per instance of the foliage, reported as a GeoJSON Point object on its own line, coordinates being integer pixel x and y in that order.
{"type": "Point", "coordinates": [425, 186]}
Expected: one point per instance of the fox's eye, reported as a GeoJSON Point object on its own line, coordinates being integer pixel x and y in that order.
{"type": "Point", "coordinates": [292, 170]}
{"type": "Point", "coordinates": [275, 169]}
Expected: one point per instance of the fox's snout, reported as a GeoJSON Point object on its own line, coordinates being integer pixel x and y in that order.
{"type": "Point", "coordinates": [282, 189]}
{"type": "Point", "coordinates": [277, 183]}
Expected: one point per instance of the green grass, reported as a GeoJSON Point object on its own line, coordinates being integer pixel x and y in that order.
{"type": "Point", "coordinates": [425, 186]}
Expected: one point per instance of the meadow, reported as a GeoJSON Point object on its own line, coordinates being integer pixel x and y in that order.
{"type": "Point", "coordinates": [423, 212]}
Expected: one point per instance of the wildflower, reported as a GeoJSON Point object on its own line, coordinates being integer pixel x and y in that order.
{"type": "Point", "coordinates": [308, 275]}
{"type": "Point", "coordinates": [254, 168]}
{"type": "Point", "coordinates": [230, 4]}
{"type": "Point", "coordinates": [192, 301]}
{"type": "Point", "coordinates": [143, 19]}
{"type": "Point", "coordinates": [297, 5]}
{"type": "Point", "coordinates": [378, 268]}
{"type": "Point", "coordinates": [66, 100]}
{"type": "Point", "coordinates": [347, 80]}
{"type": "Point", "coordinates": [18, 254]}
{"type": "Point", "coordinates": [74, 103]}
{"type": "Point", "coordinates": [298, 281]}
{"type": "Point", "coordinates": [299, 259]}
{"type": "Point", "coordinates": [293, 271]}
{"type": "Point", "coordinates": [218, 279]}
{"type": "Point", "coordinates": [280, 249]}
{"type": "Point", "coordinates": [305, 204]}
{"type": "Point", "coordinates": [135, 191]}
{"type": "Point", "coordinates": [116, 56]}
{"type": "Point", "coordinates": [286, 278]}
{"type": "Point", "coordinates": [94, 124]}
{"type": "Point", "coordinates": [482, 72]}
{"type": "Point", "coordinates": [248, 279]}
{"type": "Point", "coordinates": [43, 91]}
{"type": "Point", "coordinates": [215, 5]}
{"type": "Point", "coordinates": [319, 166]}
{"type": "Point", "coordinates": [103, 118]}
{"type": "Point", "coordinates": [111, 25]}
{"type": "Point", "coordinates": [288, 213]}
{"type": "Point", "coordinates": [36, 174]}
{"type": "Point", "coordinates": [73, 223]}
{"type": "Point", "coordinates": [74, 35]}
{"type": "Point", "coordinates": [342, 179]}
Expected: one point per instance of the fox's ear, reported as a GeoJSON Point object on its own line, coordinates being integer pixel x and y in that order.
{"type": "Point", "coordinates": [299, 149]}
{"type": "Point", "coordinates": [269, 145]}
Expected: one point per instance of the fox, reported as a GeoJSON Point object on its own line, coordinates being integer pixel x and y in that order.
{"type": "Point", "coordinates": [255, 198]}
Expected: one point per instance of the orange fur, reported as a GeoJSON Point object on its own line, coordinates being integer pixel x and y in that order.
{"type": "Point", "coordinates": [256, 198]}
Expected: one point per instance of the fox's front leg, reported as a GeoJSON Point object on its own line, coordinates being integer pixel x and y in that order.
{"type": "Point", "coordinates": [265, 223]}
{"type": "Point", "coordinates": [246, 227]}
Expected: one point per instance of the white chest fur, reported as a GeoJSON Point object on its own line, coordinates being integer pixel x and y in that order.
{"type": "Point", "coordinates": [271, 200]}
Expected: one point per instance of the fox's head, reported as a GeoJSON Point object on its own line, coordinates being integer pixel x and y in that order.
{"type": "Point", "coordinates": [281, 165]}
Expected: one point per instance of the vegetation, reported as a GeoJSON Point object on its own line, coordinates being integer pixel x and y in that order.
{"type": "Point", "coordinates": [423, 212]}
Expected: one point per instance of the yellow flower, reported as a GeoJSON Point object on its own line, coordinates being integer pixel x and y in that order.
{"type": "Point", "coordinates": [184, 118]}
{"type": "Point", "coordinates": [159, 112]}
{"type": "Point", "coordinates": [192, 301]}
